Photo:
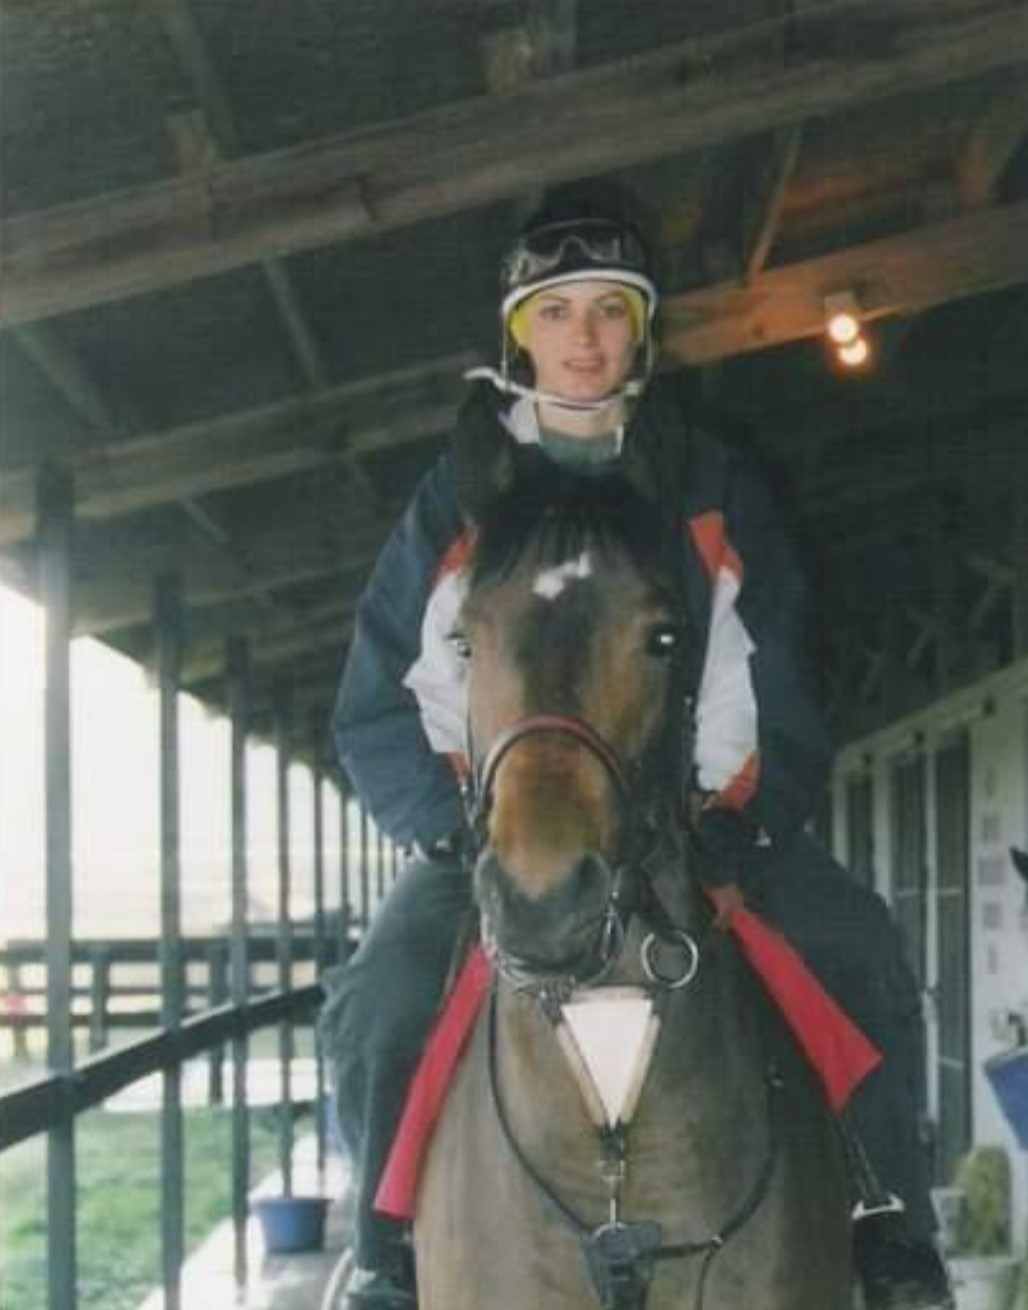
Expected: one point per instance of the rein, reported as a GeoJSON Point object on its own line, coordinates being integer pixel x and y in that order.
{"type": "Point", "coordinates": [620, 1255]}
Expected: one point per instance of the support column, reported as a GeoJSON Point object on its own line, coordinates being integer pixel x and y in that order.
{"type": "Point", "coordinates": [283, 725]}
{"type": "Point", "coordinates": [345, 896]}
{"type": "Point", "coordinates": [1019, 552]}
{"type": "Point", "coordinates": [54, 517]}
{"type": "Point", "coordinates": [365, 871]}
{"type": "Point", "coordinates": [318, 945]}
{"type": "Point", "coordinates": [168, 659]}
{"type": "Point", "coordinates": [237, 658]}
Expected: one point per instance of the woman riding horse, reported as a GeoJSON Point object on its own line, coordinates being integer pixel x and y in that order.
{"type": "Point", "coordinates": [574, 386]}
{"type": "Point", "coordinates": [631, 1126]}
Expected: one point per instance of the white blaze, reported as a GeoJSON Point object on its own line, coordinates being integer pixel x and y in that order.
{"type": "Point", "coordinates": [551, 582]}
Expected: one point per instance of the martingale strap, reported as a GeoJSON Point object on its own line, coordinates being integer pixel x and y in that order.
{"type": "Point", "coordinates": [621, 1256]}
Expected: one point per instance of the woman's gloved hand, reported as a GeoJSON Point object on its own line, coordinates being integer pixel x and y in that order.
{"type": "Point", "coordinates": [722, 842]}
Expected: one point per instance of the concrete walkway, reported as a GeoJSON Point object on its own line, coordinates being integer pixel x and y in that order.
{"type": "Point", "coordinates": [275, 1282]}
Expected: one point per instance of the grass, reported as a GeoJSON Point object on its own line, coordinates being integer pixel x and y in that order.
{"type": "Point", "coordinates": [118, 1164]}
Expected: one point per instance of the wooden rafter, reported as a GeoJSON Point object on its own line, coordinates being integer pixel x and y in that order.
{"type": "Point", "coordinates": [993, 143]}
{"type": "Point", "coordinates": [693, 95]}
{"type": "Point", "coordinates": [338, 424]}
{"type": "Point", "coordinates": [967, 256]}
{"type": "Point", "coordinates": [764, 206]}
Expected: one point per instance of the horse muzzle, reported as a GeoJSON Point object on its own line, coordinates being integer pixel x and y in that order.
{"type": "Point", "coordinates": [572, 932]}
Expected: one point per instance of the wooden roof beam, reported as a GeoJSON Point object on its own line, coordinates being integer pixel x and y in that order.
{"type": "Point", "coordinates": [992, 144]}
{"type": "Point", "coordinates": [965, 256]}
{"type": "Point", "coordinates": [691, 96]}
{"type": "Point", "coordinates": [763, 210]}
{"type": "Point", "coordinates": [115, 582]}
{"type": "Point", "coordinates": [337, 424]}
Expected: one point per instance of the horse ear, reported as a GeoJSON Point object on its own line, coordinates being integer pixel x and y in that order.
{"type": "Point", "coordinates": [484, 454]}
{"type": "Point", "coordinates": [1020, 861]}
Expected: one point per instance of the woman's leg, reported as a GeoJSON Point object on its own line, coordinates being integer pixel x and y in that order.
{"type": "Point", "coordinates": [848, 937]}
{"type": "Point", "coordinates": [373, 1026]}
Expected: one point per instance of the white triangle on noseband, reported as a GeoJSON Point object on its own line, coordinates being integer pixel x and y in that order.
{"type": "Point", "coordinates": [613, 1032]}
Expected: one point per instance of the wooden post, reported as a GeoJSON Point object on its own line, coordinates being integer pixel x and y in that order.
{"type": "Point", "coordinates": [318, 951]}
{"type": "Point", "coordinates": [217, 994]}
{"type": "Point", "coordinates": [167, 611]}
{"type": "Point", "coordinates": [1019, 551]}
{"type": "Point", "coordinates": [100, 997]}
{"type": "Point", "coordinates": [345, 897]}
{"type": "Point", "coordinates": [365, 873]}
{"type": "Point", "coordinates": [283, 724]}
{"type": "Point", "coordinates": [238, 665]}
{"type": "Point", "coordinates": [54, 517]}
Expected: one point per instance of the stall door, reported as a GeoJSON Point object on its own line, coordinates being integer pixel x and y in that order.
{"type": "Point", "coordinates": [952, 828]}
{"type": "Point", "coordinates": [909, 868]}
{"type": "Point", "coordinates": [860, 852]}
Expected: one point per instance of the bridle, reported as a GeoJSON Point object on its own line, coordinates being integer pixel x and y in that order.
{"type": "Point", "coordinates": [631, 891]}
{"type": "Point", "coordinates": [620, 1256]}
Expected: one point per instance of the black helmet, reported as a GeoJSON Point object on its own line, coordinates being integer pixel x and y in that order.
{"type": "Point", "coordinates": [580, 232]}
{"type": "Point", "coordinates": [571, 237]}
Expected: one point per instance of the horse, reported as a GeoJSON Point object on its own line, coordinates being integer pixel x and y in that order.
{"type": "Point", "coordinates": [695, 1166]}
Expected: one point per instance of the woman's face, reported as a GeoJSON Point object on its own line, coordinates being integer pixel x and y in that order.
{"type": "Point", "coordinates": [581, 339]}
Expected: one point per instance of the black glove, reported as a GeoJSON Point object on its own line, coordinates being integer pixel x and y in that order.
{"type": "Point", "coordinates": [722, 843]}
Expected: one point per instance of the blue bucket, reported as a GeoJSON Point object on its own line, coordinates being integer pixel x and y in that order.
{"type": "Point", "coordinates": [292, 1223]}
{"type": "Point", "coordinates": [1008, 1074]}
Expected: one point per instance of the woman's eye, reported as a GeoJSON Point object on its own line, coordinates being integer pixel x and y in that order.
{"type": "Point", "coordinates": [460, 644]}
{"type": "Point", "coordinates": [663, 639]}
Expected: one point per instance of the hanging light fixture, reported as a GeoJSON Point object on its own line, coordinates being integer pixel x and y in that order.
{"type": "Point", "coordinates": [842, 318]}
{"type": "Point", "coordinates": [855, 353]}
{"type": "Point", "coordinates": [843, 328]}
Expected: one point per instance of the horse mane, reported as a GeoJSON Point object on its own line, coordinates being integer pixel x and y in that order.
{"type": "Point", "coordinates": [560, 512]}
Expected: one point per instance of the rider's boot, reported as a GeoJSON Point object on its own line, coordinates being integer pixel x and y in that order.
{"type": "Point", "coordinates": [898, 1270]}
{"type": "Point", "coordinates": [388, 1284]}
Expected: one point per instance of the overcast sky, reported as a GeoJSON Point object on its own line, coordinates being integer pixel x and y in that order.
{"type": "Point", "coordinates": [115, 797]}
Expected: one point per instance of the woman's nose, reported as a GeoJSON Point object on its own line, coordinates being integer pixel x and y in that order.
{"type": "Point", "coordinates": [585, 327]}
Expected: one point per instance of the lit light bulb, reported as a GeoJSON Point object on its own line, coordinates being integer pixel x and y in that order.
{"type": "Point", "coordinates": [843, 328]}
{"type": "Point", "coordinates": [854, 353]}
{"type": "Point", "coordinates": [842, 317]}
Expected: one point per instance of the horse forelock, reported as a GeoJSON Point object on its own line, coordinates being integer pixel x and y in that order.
{"type": "Point", "coordinates": [560, 517]}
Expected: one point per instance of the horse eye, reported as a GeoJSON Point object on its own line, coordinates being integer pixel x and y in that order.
{"type": "Point", "coordinates": [460, 643]}
{"type": "Point", "coordinates": [663, 639]}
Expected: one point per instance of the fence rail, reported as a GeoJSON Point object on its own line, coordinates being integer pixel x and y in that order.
{"type": "Point", "coordinates": [36, 1106]}
{"type": "Point", "coordinates": [116, 982]}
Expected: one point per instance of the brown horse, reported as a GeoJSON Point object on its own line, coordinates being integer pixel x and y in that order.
{"type": "Point", "coordinates": [707, 1177]}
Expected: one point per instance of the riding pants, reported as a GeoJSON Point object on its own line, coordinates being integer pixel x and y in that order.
{"type": "Point", "coordinates": [381, 1005]}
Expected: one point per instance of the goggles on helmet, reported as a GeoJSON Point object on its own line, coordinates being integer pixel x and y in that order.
{"type": "Point", "coordinates": [579, 243]}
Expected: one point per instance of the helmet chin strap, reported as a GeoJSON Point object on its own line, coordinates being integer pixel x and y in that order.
{"type": "Point", "coordinates": [506, 384]}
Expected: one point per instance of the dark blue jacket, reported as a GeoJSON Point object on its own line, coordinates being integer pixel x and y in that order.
{"type": "Point", "coordinates": [759, 741]}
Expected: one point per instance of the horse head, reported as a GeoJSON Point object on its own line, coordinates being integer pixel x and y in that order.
{"type": "Point", "coordinates": [572, 630]}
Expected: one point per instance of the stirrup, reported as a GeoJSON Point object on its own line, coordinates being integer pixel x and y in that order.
{"type": "Point", "coordinates": [891, 1204]}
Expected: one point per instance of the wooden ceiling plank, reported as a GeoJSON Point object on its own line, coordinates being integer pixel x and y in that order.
{"type": "Point", "coordinates": [247, 447]}
{"type": "Point", "coordinates": [490, 148]}
{"type": "Point", "coordinates": [66, 374]}
{"type": "Point", "coordinates": [116, 594]}
{"type": "Point", "coordinates": [992, 144]}
{"type": "Point", "coordinates": [203, 659]}
{"type": "Point", "coordinates": [966, 256]}
{"type": "Point", "coordinates": [763, 210]}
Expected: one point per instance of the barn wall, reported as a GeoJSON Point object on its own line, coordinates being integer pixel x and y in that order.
{"type": "Point", "coordinates": [994, 715]}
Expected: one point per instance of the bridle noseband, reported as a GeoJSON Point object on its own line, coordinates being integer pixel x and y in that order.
{"type": "Point", "coordinates": [639, 833]}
